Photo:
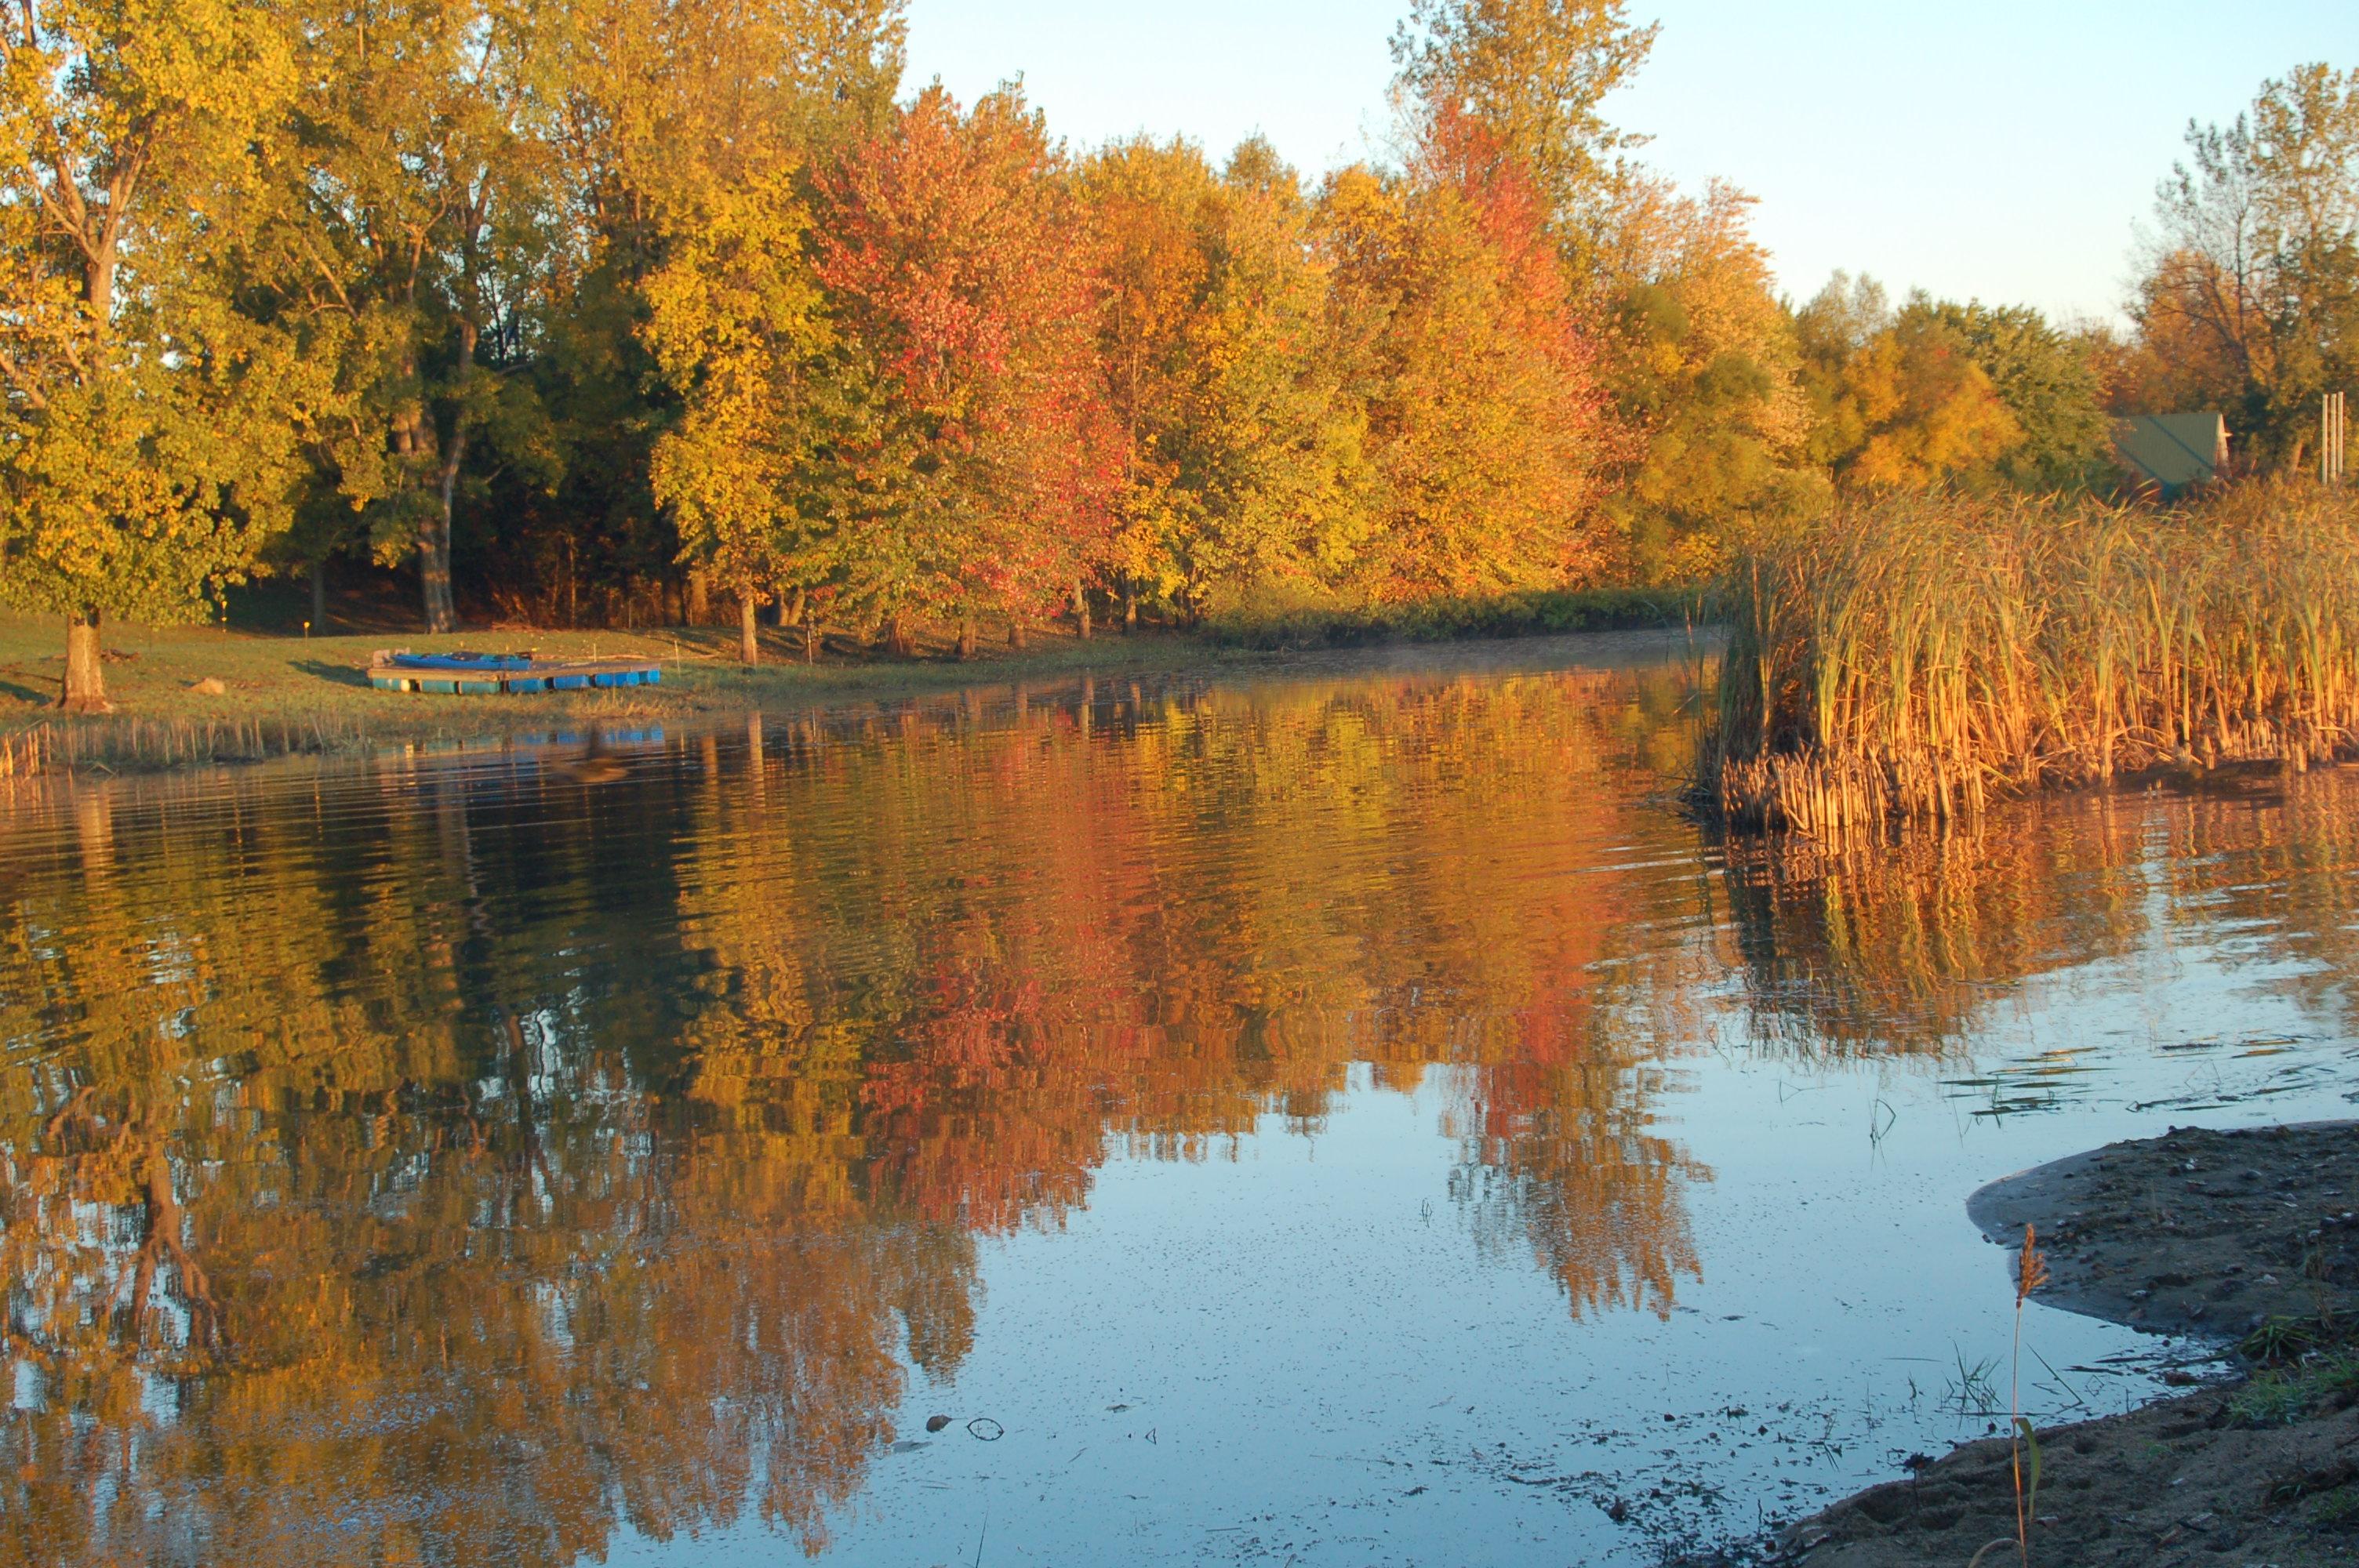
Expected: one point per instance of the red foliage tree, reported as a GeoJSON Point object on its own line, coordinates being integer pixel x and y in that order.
{"type": "Point", "coordinates": [978, 463]}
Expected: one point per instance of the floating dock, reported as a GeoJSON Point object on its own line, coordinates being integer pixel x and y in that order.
{"type": "Point", "coordinates": [495, 674]}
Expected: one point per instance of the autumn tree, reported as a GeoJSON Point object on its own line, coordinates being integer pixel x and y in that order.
{"type": "Point", "coordinates": [1242, 444]}
{"type": "Point", "coordinates": [680, 121]}
{"type": "Point", "coordinates": [1485, 422]}
{"type": "Point", "coordinates": [1151, 208]}
{"type": "Point", "coordinates": [415, 202]}
{"type": "Point", "coordinates": [148, 434]}
{"type": "Point", "coordinates": [1902, 403]}
{"type": "Point", "coordinates": [969, 465]}
{"type": "Point", "coordinates": [734, 319]}
{"type": "Point", "coordinates": [2048, 377]}
{"type": "Point", "coordinates": [1705, 416]}
{"type": "Point", "coordinates": [1532, 73]}
{"type": "Point", "coordinates": [1704, 373]}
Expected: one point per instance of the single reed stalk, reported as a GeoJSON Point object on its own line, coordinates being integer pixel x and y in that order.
{"type": "Point", "coordinates": [2030, 1273]}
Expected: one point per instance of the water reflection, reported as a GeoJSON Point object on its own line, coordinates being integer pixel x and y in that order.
{"type": "Point", "coordinates": [1908, 943]}
{"type": "Point", "coordinates": [467, 1159]}
{"type": "Point", "coordinates": [447, 1161]}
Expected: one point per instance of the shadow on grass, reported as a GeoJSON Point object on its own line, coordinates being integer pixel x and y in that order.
{"type": "Point", "coordinates": [339, 675]}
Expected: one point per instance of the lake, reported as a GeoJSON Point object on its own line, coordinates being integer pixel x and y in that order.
{"type": "Point", "coordinates": [1342, 1115]}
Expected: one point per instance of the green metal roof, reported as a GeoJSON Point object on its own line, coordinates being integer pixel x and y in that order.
{"type": "Point", "coordinates": [2172, 451]}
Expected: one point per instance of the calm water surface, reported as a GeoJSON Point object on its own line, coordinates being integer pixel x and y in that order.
{"type": "Point", "coordinates": [1343, 1118]}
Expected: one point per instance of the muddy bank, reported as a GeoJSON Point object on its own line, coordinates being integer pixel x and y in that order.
{"type": "Point", "coordinates": [2193, 1232]}
{"type": "Point", "coordinates": [2250, 1237]}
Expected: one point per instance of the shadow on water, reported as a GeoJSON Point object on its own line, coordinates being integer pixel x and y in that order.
{"type": "Point", "coordinates": [493, 1165]}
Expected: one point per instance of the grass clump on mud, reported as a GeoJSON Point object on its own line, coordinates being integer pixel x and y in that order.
{"type": "Point", "coordinates": [2327, 1380]}
{"type": "Point", "coordinates": [1912, 657]}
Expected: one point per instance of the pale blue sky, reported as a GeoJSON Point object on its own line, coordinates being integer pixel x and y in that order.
{"type": "Point", "coordinates": [2000, 149]}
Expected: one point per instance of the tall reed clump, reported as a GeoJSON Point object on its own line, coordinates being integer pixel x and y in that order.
{"type": "Point", "coordinates": [1913, 657]}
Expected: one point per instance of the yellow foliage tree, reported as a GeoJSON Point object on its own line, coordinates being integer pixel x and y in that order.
{"type": "Point", "coordinates": [733, 316]}
{"type": "Point", "coordinates": [1903, 404]}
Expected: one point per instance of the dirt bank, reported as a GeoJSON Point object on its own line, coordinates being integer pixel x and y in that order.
{"type": "Point", "coordinates": [2251, 1236]}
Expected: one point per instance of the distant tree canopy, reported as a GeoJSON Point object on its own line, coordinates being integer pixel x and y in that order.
{"type": "Point", "coordinates": [2248, 300]}
{"type": "Point", "coordinates": [590, 312]}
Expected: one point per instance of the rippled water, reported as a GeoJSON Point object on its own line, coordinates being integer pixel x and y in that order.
{"type": "Point", "coordinates": [1346, 1116]}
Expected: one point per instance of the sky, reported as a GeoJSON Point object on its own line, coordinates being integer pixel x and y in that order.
{"type": "Point", "coordinates": [2004, 151]}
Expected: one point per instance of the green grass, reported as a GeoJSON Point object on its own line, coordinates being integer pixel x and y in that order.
{"type": "Point", "coordinates": [297, 694]}
{"type": "Point", "coordinates": [2278, 1341]}
{"type": "Point", "coordinates": [2290, 1393]}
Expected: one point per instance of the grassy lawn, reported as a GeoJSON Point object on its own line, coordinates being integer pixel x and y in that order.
{"type": "Point", "coordinates": [317, 685]}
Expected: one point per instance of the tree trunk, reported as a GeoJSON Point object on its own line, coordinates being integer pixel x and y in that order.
{"type": "Point", "coordinates": [1082, 612]}
{"type": "Point", "coordinates": [699, 597]}
{"type": "Point", "coordinates": [897, 635]}
{"type": "Point", "coordinates": [811, 639]}
{"type": "Point", "coordinates": [434, 544]}
{"type": "Point", "coordinates": [319, 596]}
{"type": "Point", "coordinates": [85, 690]}
{"type": "Point", "coordinates": [966, 638]}
{"type": "Point", "coordinates": [1016, 634]}
{"type": "Point", "coordinates": [1129, 606]}
{"type": "Point", "coordinates": [749, 644]}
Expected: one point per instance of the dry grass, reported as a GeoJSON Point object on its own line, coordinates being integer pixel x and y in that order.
{"type": "Point", "coordinates": [1913, 658]}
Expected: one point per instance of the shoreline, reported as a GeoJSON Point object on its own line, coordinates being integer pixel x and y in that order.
{"type": "Point", "coordinates": [290, 696]}
{"type": "Point", "coordinates": [2249, 1238]}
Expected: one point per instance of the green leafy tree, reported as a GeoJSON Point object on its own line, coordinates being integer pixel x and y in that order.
{"type": "Point", "coordinates": [147, 433]}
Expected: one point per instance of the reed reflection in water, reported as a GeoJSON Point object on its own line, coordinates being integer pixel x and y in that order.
{"type": "Point", "coordinates": [463, 1160]}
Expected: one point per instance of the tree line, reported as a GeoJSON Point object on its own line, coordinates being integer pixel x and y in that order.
{"type": "Point", "coordinates": [604, 313]}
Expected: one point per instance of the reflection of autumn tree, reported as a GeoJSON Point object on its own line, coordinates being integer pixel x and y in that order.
{"type": "Point", "coordinates": [507, 1156]}
{"type": "Point", "coordinates": [1165, 941]}
{"type": "Point", "coordinates": [657, 1339]}
{"type": "Point", "coordinates": [1569, 1166]}
{"type": "Point", "coordinates": [287, 1244]}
